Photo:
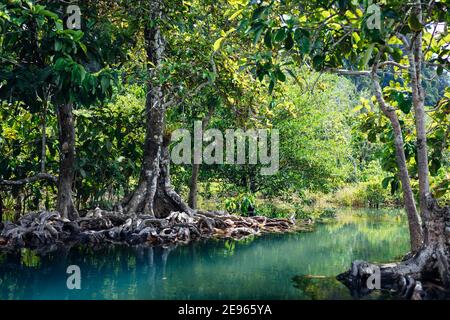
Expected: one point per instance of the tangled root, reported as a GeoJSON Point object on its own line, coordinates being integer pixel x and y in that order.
{"type": "Point", "coordinates": [45, 228]}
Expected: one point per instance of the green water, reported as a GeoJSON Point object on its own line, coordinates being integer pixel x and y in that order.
{"type": "Point", "coordinates": [268, 267]}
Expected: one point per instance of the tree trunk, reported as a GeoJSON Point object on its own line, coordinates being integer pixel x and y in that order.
{"type": "Point", "coordinates": [415, 228]}
{"type": "Point", "coordinates": [193, 185]}
{"type": "Point", "coordinates": [41, 204]}
{"type": "Point", "coordinates": [421, 274]}
{"type": "Point", "coordinates": [154, 195]}
{"type": "Point", "coordinates": [44, 139]}
{"type": "Point", "coordinates": [66, 124]}
{"type": "Point", "coordinates": [1, 208]}
{"type": "Point", "coordinates": [418, 276]}
{"type": "Point", "coordinates": [415, 57]}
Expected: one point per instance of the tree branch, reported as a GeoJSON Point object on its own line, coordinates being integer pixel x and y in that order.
{"type": "Point", "coordinates": [392, 63]}
{"type": "Point", "coordinates": [405, 40]}
{"type": "Point", "coordinates": [173, 102]}
{"type": "Point", "coordinates": [346, 72]}
{"type": "Point", "coordinates": [40, 176]}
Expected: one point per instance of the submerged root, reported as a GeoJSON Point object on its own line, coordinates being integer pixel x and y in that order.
{"type": "Point", "coordinates": [409, 279]}
{"type": "Point", "coordinates": [424, 275]}
{"type": "Point", "coordinates": [40, 229]}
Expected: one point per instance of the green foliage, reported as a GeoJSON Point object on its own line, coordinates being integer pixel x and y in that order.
{"type": "Point", "coordinates": [240, 204]}
{"type": "Point", "coordinates": [29, 258]}
{"type": "Point", "coordinates": [315, 136]}
{"type": "Point", "coordinates": [222, 59]}
{"type": "Point", "coordinates": [42, 60]}
{"type": "Point", "coordinates": [323, 41]}
{"type": "Point", "coordinates": [109, 148]}
{"type": "Point", "coordinates": [371, 191]}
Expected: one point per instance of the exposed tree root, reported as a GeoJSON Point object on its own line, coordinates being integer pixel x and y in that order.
{"type": "Point", "coordinates": [424, 275]}
{"type": "Point", "coordinates": [43, 229]}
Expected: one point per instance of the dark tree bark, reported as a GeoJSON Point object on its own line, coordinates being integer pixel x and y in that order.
{"type": "Point", "coordinates": [66, 124]}
{"type": "Point", "coordinates": [154, 196]}
{"type": "Point", "coordinates": [1, 208]}
{"type": "Point", "coordinates": [193, 186]}
{"type": "Point", "coordinates": [44, 139]}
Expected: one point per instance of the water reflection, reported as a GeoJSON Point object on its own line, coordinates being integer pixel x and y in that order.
{"type": "Point", "coordinates": [292, 266]}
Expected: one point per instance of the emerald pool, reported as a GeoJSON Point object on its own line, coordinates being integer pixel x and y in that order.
{"type": "Point", "coordinates": [273, 266]}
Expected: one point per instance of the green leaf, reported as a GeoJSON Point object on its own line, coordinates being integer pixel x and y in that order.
{"type": "Point", "coordinates": [302, 39]}
{"type": "Point", "coordinates": [78, 74]}
{"type": "Point", "coordinates": [397, 54]}
{"type": "Point", "coordinates": [268, 39]}
{"type": "Point", "coordinates": [395, 185]}
{"type": "Point", "coordinates": [372, 136]}
{"type": "Point", "coordinates": [108, 145]}
{"type": "Point", "coordinates": [318, 62]}
{"type": "Point", "coordinates": [289, 42]}
{"type": "Point", "coordinates": [59, 26]}
{"type": "Point", "coordinates": [105, 84]}
{"type": "Point", "coordinates": [218, 44]}
{"type": "Point", "coordinates": [58, 45]}
{"type": "Point", "coordinates": [260, 72]}
{"type": "Point", "coordinates": [60, 64]}
{"type": "Point", "coordinates": [435, 165]}
{"type": "Point", "coordinates": [280, 75]}
{"type": "Point", "coordinates": [385, 182]}
{"type": "Point", "coordinates": [257, 13]}
{"type": "Point", "coordinates": [83, 47]}
{"type": "Point", "coordinates": [271, 86]}
{"type": "Point", "coordinates": [5, 16]}
{"type": "Point", "coordinates": [404, 100]}
{"type": "Point", "coordinates": [49, 14]}
{"type": "Point", "coordinates": [235, 15]}
{"type": "Point", "coordinates": [258, 33]}
{"type": "Point", "coordinates": [280, 35]}
{"type": "Point", "coordinates": [367, 56]}
{"type": "Point", "coordinates": [414, 23]}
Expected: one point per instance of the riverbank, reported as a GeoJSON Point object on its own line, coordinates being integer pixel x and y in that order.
{"type": "Point", "coordinates": [46, 230]}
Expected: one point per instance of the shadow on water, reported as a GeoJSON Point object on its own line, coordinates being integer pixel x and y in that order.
{"type": "Point", "coordinates": [277, 266]}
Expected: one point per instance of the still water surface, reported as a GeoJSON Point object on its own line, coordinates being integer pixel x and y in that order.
{"type": "Point", "coordinates": [277, 266]}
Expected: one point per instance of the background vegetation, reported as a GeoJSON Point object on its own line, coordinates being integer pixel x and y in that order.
{"type": "Point", "coordinates": [335, 145]}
